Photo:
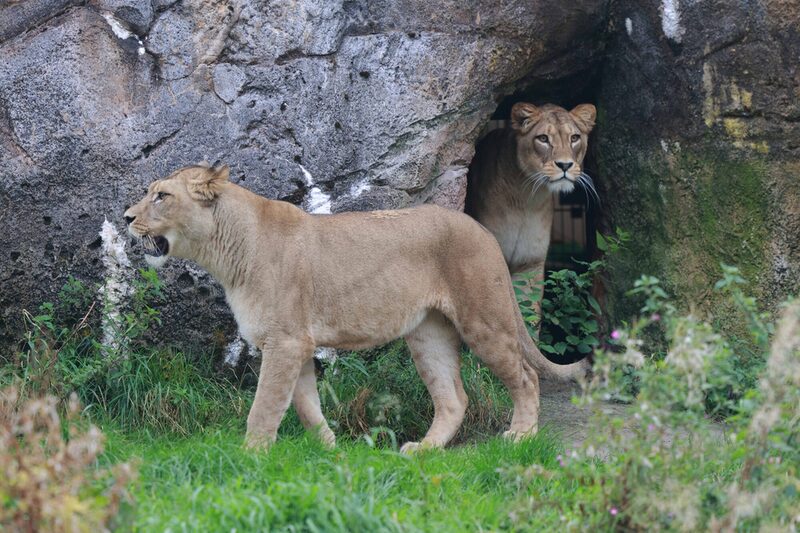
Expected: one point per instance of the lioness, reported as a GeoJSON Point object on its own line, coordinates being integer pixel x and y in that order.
{"type": "Point", "coordinates": [353, 280]}
{"type": "Point", "coordinates": [516, 171]}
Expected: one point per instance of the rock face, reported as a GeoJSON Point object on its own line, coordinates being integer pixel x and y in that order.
{"type": "Point", "coordinates": [698, 146]}
{"type": "Point", "coordinates": [339, 105]}
{"type": "Point", "coordinates": [330, 104]}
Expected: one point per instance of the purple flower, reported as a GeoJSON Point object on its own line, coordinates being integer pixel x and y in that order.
{"type": "Point", "coordinates": [650, 428]}
{"type": "Point", "coordinates": [613, 511]}
{"type": "Point", "coordinates": [615, 334]}
{"type": "Point", "coordinates": [655, 317]}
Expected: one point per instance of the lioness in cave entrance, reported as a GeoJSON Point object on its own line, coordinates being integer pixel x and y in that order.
{"type": "Point", "coordinates": [516, 171]}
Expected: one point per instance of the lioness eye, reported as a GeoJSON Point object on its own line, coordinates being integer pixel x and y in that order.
{"type": "Point", "coordinates": [575, 138]}
{"type": "Point", "coordinates": [160, 195]}
{"type": "Point", "coordinates": [542, 139]}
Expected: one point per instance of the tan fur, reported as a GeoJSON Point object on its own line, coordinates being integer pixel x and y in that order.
{"type": "Point", "coordinates": [514, 175]}
{"type": "Point", "coordinates": [354, 280]}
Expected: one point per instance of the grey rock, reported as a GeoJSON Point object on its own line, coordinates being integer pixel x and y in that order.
{"type": "Point", "coordinates": [228, 81]}
{"type": "Point", "coordinates": [136, 14]}
{"type": "Point", "coordinates": [698, 142]}
{"type": "Point", "coordinates": [17, 17]}
{"type": "Point", "coordinates": [377, 102]}
{"type": "Point", "coordinates": [170, 40]}
{"type": "Point", "coordinates": [381, 102]}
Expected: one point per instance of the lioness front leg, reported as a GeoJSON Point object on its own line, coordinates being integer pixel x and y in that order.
{"type": "Point", "coordinates": [281, 364]}
{"type": "Point", "coordinates": [306, 403]}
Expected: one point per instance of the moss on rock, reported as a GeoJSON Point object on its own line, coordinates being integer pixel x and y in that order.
{"type": "Point", "coordinates": [688, 211]}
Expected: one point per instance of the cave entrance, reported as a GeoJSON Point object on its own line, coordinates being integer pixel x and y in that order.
{"type": "Point", "coordinates": [575, 217]}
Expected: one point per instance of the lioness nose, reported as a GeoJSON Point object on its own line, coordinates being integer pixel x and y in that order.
{"type": "Point", "coordinates": [128, 219]}
{"type": "Point", "coordinates": [564, 165]}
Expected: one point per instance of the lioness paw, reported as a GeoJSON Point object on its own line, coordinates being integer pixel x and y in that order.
{"type": "Point", "coordinates": [258, 442]}
{"type": "Point", "coordinates": [410, 447]}
{"type": "Point", "coordinates": [327, 437]}
{"type": "Point", "coordinates": [516, 436]}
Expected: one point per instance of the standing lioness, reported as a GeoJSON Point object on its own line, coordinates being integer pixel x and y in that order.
{"type": "Point", "coordinates": [297, 281]}
{"type": "Point", "coordinates": [517, 170]}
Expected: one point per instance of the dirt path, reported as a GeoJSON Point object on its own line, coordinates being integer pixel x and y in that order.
{"type": "Point", "coordinates": [560, 415]}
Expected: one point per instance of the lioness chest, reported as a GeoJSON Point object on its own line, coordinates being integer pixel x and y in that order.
{"type": "Point", "coordinates": [523, 234]}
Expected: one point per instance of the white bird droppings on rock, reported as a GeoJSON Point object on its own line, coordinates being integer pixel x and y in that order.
{"type": "Point", "coordinates": [359, 188]}
{"type": "Point", "coordinates": [317, 202]}
{"type": "Point", "coordinates": [233, 351]}
{"type": "Point", "coordinates": [325, 354]}
{"type": "Point", "coordinates": [671, 20]}
{"type": "Point", "coordinates": [122, 32]}
{"type": "Point", "coordinates": [116, 286]}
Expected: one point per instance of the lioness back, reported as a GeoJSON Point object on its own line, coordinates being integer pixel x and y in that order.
{"type": "Point", "coordinates": [415, 258]}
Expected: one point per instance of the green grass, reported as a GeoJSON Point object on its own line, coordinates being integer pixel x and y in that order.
{"type": "Point", "coordinates": [381, 388]}
{"type": "Point", "coordinates": [208, 482]}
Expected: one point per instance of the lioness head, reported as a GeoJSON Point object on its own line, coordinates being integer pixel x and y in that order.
{"type": "Point", "coordinates": [176, 212]}
{"type": "Point", "coordinates": [552, 142]}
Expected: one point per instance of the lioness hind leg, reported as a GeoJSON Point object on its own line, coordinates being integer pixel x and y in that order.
{"type": "Point", "coordinates": [306, 403]}
{"type": "Point", "coordinates": [281, 363]}
{"type": "Point", "coordinates": [502, 354]}
{"type": "Point", "coordinates": [434, 347]}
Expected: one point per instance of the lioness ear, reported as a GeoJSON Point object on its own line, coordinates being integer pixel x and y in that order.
{"type": "Point", "coordinates": [524, 116]}
{"type": "Point", "coordinates": [206, 183]}
{"type": "Point", "coordinates": [584, 115]}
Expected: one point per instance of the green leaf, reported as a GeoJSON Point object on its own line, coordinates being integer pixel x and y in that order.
{"type": "Point", "coordinates": [590, 326]}
{"type": "Point", "coordinates": [593, 302]}
{"type": "Point", "coordinates": [602, 244]}
{"type": "Point", "coordinates": [584, 348]}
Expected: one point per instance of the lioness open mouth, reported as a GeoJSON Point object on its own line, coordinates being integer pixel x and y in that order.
{"type": "Point", "coordinates": [155, 246]}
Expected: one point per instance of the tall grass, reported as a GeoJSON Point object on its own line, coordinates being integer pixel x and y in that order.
{"type": "Point", "coordinates": [157, 388]}
{"type": "Point", "coordinates": [380, 389]}
{"type": "Point", "coordinates": [662, 465]}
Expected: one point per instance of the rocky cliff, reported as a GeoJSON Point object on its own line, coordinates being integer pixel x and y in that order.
{"type": "Point", "coordinates": [698, 146]}
{"type": "Point", "coordinates": [357, 104]}
{"type": "Point", "coordinates": [330, 104]}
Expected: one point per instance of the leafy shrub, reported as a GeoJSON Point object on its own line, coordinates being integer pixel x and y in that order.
{"type": "Point", "coordinates": [663, 464]}
{"type": "Point", "coordinates": [49, 481]}
{"type": "Point", "coordinates": [568, 321]}
{"type": "Point", "coordinates": [569, 312]}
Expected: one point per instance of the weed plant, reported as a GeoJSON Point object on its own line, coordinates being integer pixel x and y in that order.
{"type": "Point", "coordinates": [380, 394]}
{"type": "Point", "coordinates": [49, 480]}
{"type": "Point", "coordinates": [160, 389]}
{"type": "Point", "coordinates": [568, 328]}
